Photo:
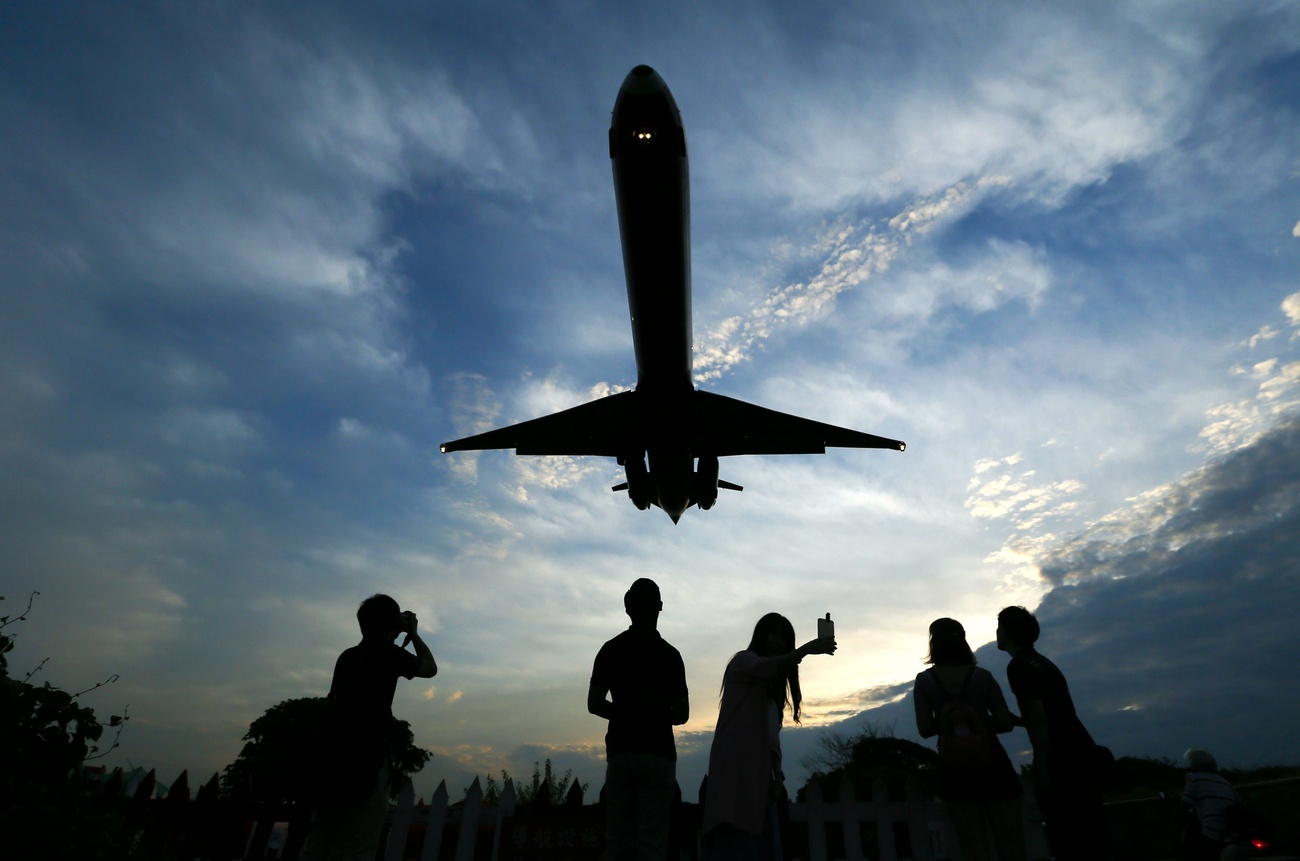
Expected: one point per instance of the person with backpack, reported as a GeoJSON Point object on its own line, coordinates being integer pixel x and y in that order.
{"type": "Point", "coordinates": [963, 705]}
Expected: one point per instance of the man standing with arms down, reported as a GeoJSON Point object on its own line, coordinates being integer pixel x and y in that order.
{"type": "Point", "coordinates": [645, 680]}
{"type": "Point", "coordinates": [351, 817]}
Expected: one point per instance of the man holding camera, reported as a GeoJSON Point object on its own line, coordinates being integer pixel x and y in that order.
{"type": "Point", "coordinates": [351, 817]}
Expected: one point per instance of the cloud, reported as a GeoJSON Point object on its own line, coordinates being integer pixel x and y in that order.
{"type": "Point", "coordinates": [257, 265]}
{"type": "Point", "coordinates": [1237, 423]}
{"type": "Point", "coordinates": [1052, 98]}
{"type": "Point", "coordinates": [845, 255]}
{"type": "Point", "coordinates": [1172, 617]}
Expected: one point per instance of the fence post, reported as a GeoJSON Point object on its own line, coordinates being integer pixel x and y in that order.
{"type": "Point", "coordinates": [505, 809]}
{"type": "Point", "coordinates": [848, 816]}
{"type": "Point", "coordinates": [437, 818]}
{"type": "Point", "coordinates": [883, 810]}
{"type": "Point", "coordinates": [469, 823]}
{"type": "Point", "coordinates": [400, 828]}
{"type": "Point", "coordinates": [815, 811]}
{"type": "Point", "coordinates": [917, 826]}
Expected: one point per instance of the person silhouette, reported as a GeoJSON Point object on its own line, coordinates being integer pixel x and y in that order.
{"type": "Point", "coordinates": [1067, 762]}
{"type": "Point", "coordinates": [1208, 798]}
{"type": "Point", "coordinates": [349, 820]}
{"type": "Point", "coordinates": [646, 679]}
{"type": "Point", "coordinates": [963, 705]}
{"type": "Point", "coordinates": [745, 777]}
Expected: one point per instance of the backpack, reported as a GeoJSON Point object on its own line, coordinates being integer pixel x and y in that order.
{"type": "Point", "coordinates": [963, 729]}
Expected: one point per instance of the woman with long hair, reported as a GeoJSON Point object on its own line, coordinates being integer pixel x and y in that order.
{"type": "Point", "coordinates": [963, 705]}
{"type": "Point", "coordinates": [745, 777]}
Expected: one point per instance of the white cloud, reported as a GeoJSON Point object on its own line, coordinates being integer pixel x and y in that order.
{"type": "Point", "coordinates": [1046, 97]}
{"type": "Point", "coordinates": [845, 255]}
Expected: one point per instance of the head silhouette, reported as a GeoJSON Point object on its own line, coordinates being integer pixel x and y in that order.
{"type": "Point", "coordinates": [1019, 626]}
{"type": "Point", "coordinates": [1200, 760]}
{"type": "Point", "coordinates": [948, 643]}
{"type": "Point", "coordinates": [379, 616]}
{"type": "Point", "coordinates": [642, 601]}
{"type": "Point", "coordinates": [774, 635]}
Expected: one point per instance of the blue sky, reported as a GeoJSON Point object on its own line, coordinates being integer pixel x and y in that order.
{"type": "Point", "coordinates": [259, 260]}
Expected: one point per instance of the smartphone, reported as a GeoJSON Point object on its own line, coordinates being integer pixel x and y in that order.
{"type": "Point", "coordinates": [825, 627]}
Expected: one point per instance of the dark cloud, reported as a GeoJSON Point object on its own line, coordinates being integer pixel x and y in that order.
{"type": "Point", "coordinates": [1174, 620]}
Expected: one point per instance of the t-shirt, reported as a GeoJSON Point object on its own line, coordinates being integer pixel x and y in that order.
{"type": "Point", "coordinates": [1033, 677]}
{"type": "Point", "coordinates": [645, 676]}
{"type": "Point", "coordinates": [1210, 796]}
{"type": "Point", "coordinates": [365, 679]}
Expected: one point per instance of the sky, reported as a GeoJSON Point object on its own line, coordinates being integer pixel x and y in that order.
{"type": "Point", "coordinates": [257, 260]}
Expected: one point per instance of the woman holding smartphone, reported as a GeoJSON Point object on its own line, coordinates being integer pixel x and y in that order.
{"type": "Point", "coordinates": [745, 777]}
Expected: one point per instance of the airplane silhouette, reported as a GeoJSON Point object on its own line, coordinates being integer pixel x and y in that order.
{"type": "Point", "coordinates": [665, 419]}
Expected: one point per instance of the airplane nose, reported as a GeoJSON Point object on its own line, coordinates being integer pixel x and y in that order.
{"type": "Point", "coordinates": [643, 81]}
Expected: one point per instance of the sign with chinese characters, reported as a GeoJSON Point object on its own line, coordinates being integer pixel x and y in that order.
{"type": "Point", "coordinates": [557, 835]}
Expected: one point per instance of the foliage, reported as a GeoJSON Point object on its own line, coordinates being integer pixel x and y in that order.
{"type": "Point", "coordinates": [870, 753]}
{"type": "Point", "coordinates": [290, 750]}
{"type": "Point", "coordinates": [545, 785]}
{"type": "Point", "coordinates": [45, 735]}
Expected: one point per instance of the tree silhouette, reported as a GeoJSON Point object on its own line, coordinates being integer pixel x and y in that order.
{"type": "Point", "coordinates": [545, 788]}
{"type": "Point", "coordinates": [45, 736]}
{"type": "Point", "coordinates": [870, 753]}
{"type": "Point", "coordinates": [290, 748]}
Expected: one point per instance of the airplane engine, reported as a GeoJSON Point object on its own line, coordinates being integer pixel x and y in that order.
{"type": "Point", "coordinates": [705, 490]}
{"type": "Point", "coordinates": [639, 487]}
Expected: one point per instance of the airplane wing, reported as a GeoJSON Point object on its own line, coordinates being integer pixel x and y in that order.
{"type": "Point", "coordinates": [726, 426]}
{"type": "Point", "coordinates": [604, 427]}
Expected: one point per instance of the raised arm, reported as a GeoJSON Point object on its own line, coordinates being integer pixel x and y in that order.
{"type": "Point", "coordinates": [428, 666]}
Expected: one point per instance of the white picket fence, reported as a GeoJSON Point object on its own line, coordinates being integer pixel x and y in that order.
{"type": "Point", "coordinates": [433, 816]}
{"type": "Point", "coordinates": [926, 822]}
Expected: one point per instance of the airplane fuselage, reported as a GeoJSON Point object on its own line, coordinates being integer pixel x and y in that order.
{"type": "Point", "coordinates": [647, 147]}
{"type": "Point", "coordinates": [667, 435]}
